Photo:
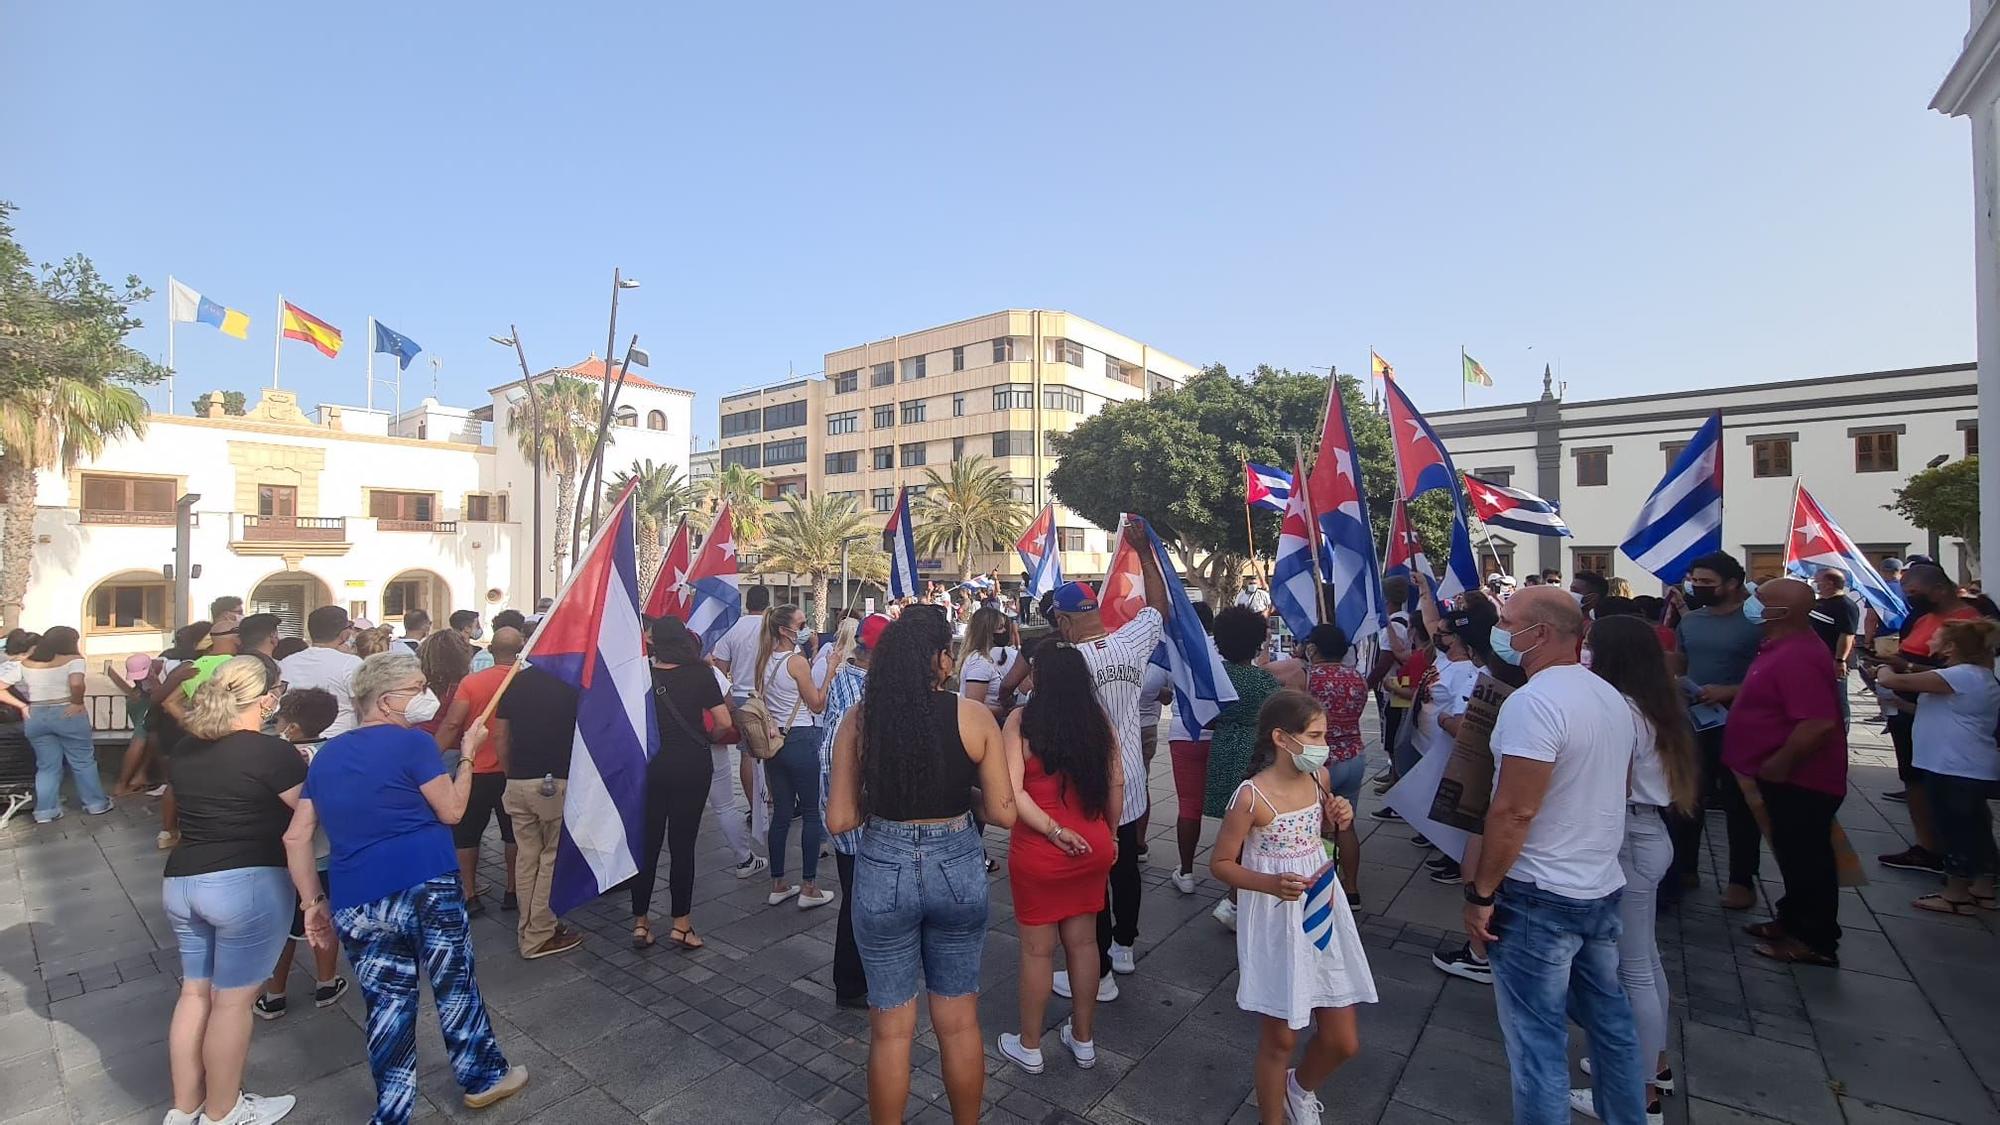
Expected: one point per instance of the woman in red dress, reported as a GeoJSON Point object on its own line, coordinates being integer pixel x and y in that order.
{"type": "Point", "coordinates": [1063, 758]}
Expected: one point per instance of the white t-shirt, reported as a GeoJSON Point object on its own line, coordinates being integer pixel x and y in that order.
{"type": "Point", "coordinates": [1449, 695]}
{"type": "Point", "coordinates": [739, 647]}
{"type": "Point", "coordinates": [1117, 670]}
{"type": "Point", "coordinates": [1150, 687]}
{"type": "Point", "coordinates": [989, 667]}
{"type": "Point", "coordinates": [1954, 733]}
{"type": "Point", "coordinates": [50, 685]}
{"type": "Point", "coordinates": [329, 669]}
{"type": "Point", "coordinates": [1572, 718]}
{"type": "Point", "coordinates": [1649, 773]}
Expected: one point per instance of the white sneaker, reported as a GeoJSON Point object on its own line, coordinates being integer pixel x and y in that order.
{"type": "Point", "coordinates": [751, 867]}
{"type": "Point", "coordinates": [253, 1110]}
{"type": "Point", "coordinates": [1107, 986]}
{"type": "Point", "coordinates": [807, 902]}
{"type": "Point", "coordinates": [1083, 1051]}
{"type": "Point", "coordinates": [1121, 959]}
{"type": "Point", "coordinates": [776, 897]}
{"type": "Point", "coordinates": [178, 1117]}
{"type": "Point", "coordinates": [1663, 1081]}
{"type": "Point", "coordinates": [1302, 1106]}
{"type": "Point", "coordinates": [1579, 1100]}
{"type": "Point", "coordinates": [1010, 1046]}
{"type": "Point", "coordinates": [1184, 882]}
{"type": "Point", "coordinates": [1225, 913]}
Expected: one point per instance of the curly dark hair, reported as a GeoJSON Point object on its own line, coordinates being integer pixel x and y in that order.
{"type": "Point", "coordinates": [899, 750]}
{"type": "Point", "coordinates": [1065, 727]}
{"type": "Point", "coordinates": [1288, 710]}
{"type": "Point", "coordinates": [1239, 631]}
{"type": "Point", "coordinates": [446, 658]}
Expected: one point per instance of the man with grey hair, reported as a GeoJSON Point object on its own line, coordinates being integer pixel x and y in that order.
{"type": "Point", "coordinates": [1543, 891]}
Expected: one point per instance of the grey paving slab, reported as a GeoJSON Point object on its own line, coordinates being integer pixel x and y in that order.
{"type": "Point", "coordinates": [1757, 1075]}
{"type": "Point", "coordinates": [1920, 1075]}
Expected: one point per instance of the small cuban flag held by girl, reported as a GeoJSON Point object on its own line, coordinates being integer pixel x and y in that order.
{"type": "Point", "coordinates": [1318, 916]}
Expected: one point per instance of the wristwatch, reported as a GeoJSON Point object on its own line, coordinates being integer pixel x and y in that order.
{"type": "Point", "coordinates": [1473, 896]}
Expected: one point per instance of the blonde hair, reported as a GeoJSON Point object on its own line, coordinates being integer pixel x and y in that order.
{"type": "Point", "coordinates": [1617, 588]}
{"type": "Point", "coordinates": [1972, 641]}
{"type": "Point", "coordinates": [845, 639]}
{"type": "Point", "coordinates": [980, 633]}
{"type": "Point", "coordinates": [222, 698]}
{"type": "Point", "coordinates": [368, 642]}
{"type": "Point", "coordinates": [775, 620]}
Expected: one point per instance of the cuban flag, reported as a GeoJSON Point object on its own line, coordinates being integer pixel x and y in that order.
{"type": "Point", "coordinates": [902, 549]}
{"type": "Point", "coordinates": [1265, 487]}
{"type": "Point", "coordinates": [592, 640]}
{"type": "Point", "coordinates": [1317, 913]}
{"type": "Point", "coordinates": [1347, 540]}
{"type": "Point", "coordinates": [1201, 684]}
{"type": "Point", "coordinates": [1037, 547]}
{"type": "Point", "coordinates": [1502, 506]}
{"type": "Point", "coordinates": [714, 602]}
{"type": "Point", "coordinates": [1423, 465]}
{"type": "Point", "coordinates": [1406, 555]}
{"type": "Point", "coordinates": [1293, 589]}
{"type": "Point", "coordinates": [1682, 520]}
{"type": "Point", "coordinates": [1817, 543]}
{"type": "Point", "coordinates": [669, 594]}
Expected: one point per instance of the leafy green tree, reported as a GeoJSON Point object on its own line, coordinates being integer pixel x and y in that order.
{"type": "Point", "coordinates": [663, 495]}
{"type": "Point", "coordinates": [568, 430]}
{"type": "Point", "coordinates": [967, 512]}
{"type": "Point", "coordinates": [1945, 501]}
{"type": "Point", "coordinates": [65, 322]}
{"type": "Point", "coordinates": [743, 490]}
{"type": "Point", "coordinates": [805, 537]}
{"type": "Point", "coordinates": [232, 403]}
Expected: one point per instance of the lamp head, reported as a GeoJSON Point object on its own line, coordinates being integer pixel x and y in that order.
{"type": "Point", "coordinates": [628, 283]}
{"type": "Point", "coordinates": [503, 341]}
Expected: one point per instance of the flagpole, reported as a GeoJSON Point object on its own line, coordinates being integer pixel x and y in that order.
{"type": "Point", "coordinates": [277, 340]}
{"type": "Point", "coordinates": [1312, 526]}
{"type": "Point", "coordinates": [1461, 383]}
{"type": "Point", "coordinates": [170, 343]}
{"type": "Point", "coordinates": [1249, 535]}
{"type": "Point", "coordinates": [371, 364]}
{"type": "Point", "coordinates": [1798, 486]}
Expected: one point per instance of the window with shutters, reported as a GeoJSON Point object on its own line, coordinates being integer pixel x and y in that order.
{"type": "Point", "coordinates": [396, 510]}
{"type": "Point", "coordinates": [1597, 560]}
{"type": "Point", "coordinates": [1972, 440]}
{"type": "Point", "coordinates": [1593, 468]}
{"type": "Point", "coordinates": [119, 499]}
{"type": "Point", "coordinates": [1761, 564]}
{"type": "Point", "coordinates": [1771, 457]}
{"type": "Point", "coordinates": [137, 604]}
{"type": "Point", "coordinates": [486, 507]}
{"type": "Point", "coordinates": [656, 420]}
{"type": "Point", "coordinates": [1876, 452]}
{"type": "Point", "coordinates": [1069, 539]}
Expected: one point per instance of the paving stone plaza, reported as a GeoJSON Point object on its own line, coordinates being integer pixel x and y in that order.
{"type": "Point", "coordinates": [746, 1031]}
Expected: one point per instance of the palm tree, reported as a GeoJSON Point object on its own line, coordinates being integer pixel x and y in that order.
{"type": "Point", "coordinates": [51, 427]}
{"type": "Point", "coordinates": [743, 490]}
{"type": "Point", "coordinates": [805, 538]}
{"type": "Point", "coordinates": [661, 497]}
{"type": "Point", "coordinates": [569, 427]}
{"type": "Point", "coordinates": [968, 511]}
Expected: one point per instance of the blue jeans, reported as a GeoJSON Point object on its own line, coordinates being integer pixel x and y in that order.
{"type": "Point", "coordinates": [920, 904]}
{"type": "Point", "coordinates": [59, 738]}
{"type": "Point", "coordinates": [793, 777]}
{"type": "Point", "coordinates": [230, 925]}
{"type": "Point", "coordinates": [1344, 778]}
{"type": "Point", "coordinates": [1557, 959]}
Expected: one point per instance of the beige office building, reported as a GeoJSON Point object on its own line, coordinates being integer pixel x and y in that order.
{"type": "Point", "coordinates": [885, 412]}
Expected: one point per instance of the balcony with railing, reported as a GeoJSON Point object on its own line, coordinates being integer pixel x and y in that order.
{"type": "Point", "coordinates": [120, 517]}
{"type": "Point", "coordinates": [439, 526]}
{"type": "Point", "coordinates": [287, 534]}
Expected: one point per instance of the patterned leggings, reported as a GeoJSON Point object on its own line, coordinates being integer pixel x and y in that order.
{"type": "Point", "coordinates": [384, 940]}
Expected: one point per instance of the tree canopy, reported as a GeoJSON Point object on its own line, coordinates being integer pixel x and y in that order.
{"type": "Point", "coordinates": [65, 322]}
{"type": "Point", "coordinates": [1945, 500]}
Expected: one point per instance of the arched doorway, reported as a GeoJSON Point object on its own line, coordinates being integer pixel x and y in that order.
{"type": "Point", "coordinates": [291, 594]}
{"type": "Point", "coordinates": [415, 589]}
{"type": "Point", "coordinates": [134, 605]}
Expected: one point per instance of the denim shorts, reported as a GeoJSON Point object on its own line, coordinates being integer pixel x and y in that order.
{"type": "Point", "coordinates": [920, 905]}
{"type": "Point", "coordinates": [231, 925]}
{"type": "Point", "coordinates": [1344, 778]}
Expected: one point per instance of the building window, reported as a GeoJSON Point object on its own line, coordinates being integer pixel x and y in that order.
{"type": "Point", "coordinates": [1062, 398]}
{"type": "Point", "coordinates": [277, 501]}
{"type": "Point", "coordinates": [958, 406]}
{"type": "Point", "coordinates": [1875, 453]}
{"type": "Point", "coordinates": [1597, 560]}
{"type": "Point", "coordinates": [1064, 351]}
{"type": "Point", "coordinates": [958, 449]}
{"type": "Point", "coordinates": [402, 507]}
{"type": "Point", "coordinates": [913, 411]}
{"type": "Point", "coordinates": [1971, 438]}
{"type": "Point", "coordinates": [481, 507]}
{"type": "Point", "coordinates": [655, 420]}
{"type": "Point", "coordinates": [791, 451]}
{"type": "Point", "coordinates": [133, 606]}
{"type": "Point", "coordinates": [1501, 475]}
{"type": "Point", "coordinates": [626, 416]}
{"type": "Point", "coordinates": [401, 596]}
{"type": "Point", "coordinates": [885, 416]}
{"type": "Point", "coordinates": [745, 456]}
{"type": "Point", "coordinates": [882, 374]}
{"type": "Point", "coordinates": [1013, 396]}
{"type": "Point", "coordinates": [1013, 443]}
{"type": "Point", "coordinates": [1004, 349]}
{"type": "Point", "coordinates": [785, 415]}
{"type": "Point", "coordinates": [848, 462]}
{"type": "Point", "coordinates": [847, 382]}
{"type": "Point", "coordinates": [845, 423]}
{"type": "Point", "coordinates": [914, 454]}
{"type": "Point", "coordinates": [1593, 467]}
{"type": "Point", "coordinates": [913, 368]}
{"type": "Point", "coordinates": [791, 488]}
{"type": "Point", "coordinates": [740, 423]}
{"type": "Point", "coordinates": [1121, 371]}
{"type": "Point", "coordinates": [1069, 539]}
{"type": "Point", "coordinates": [882, 499]}
{"type": "Point", "coordinates": [108, 499]}
{"type": "Point", "coordinates": [883, 457]}
{"type": "Point", "coordinates": [958, 359]}
{"type": "Point", "coordinates": [1771, 457]}
{"type": "Point", "coordinates": [1161, 384]}
{"type": "Point", "coordinates": [1761, 564]}
{"type": "Point", "coordinates": [1672, 450]}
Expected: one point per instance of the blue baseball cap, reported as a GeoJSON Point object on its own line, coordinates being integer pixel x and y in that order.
{"type": "Point", "coordinates": [1076, 597]}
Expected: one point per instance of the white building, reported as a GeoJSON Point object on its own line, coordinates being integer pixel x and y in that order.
{"type": "Point", "coordinates": [291, 512]}
{"type": "Point", "coordinates": [1851, 439]}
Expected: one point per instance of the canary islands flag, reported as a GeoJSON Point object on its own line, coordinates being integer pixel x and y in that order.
{"type": "Point", "coordinates": [189, 307]}
{"type": "Point", "coordinates": [302, 325]}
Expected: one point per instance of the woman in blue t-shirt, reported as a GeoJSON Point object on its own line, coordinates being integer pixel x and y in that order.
{"type": "Point", "coordinates": [387, 803]}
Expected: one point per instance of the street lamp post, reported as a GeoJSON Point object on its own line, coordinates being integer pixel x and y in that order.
{"type": "Point", "coordinates": [513, 340]}
{"type": "Point", "coordinates": [618, 281]}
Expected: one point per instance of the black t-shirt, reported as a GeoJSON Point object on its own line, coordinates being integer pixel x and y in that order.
{"type": "Point", "coordinates": [1834, 618]}
{"type": "Point", "coordinates": [230, 813]}
{"type": "Point", "coordinates": [541, 724]}
{"type": "Point", "coordinates": [686, 691]}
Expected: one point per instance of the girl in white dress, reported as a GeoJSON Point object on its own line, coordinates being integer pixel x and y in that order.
{"type": "Point", "coordinates": [1270, 850]}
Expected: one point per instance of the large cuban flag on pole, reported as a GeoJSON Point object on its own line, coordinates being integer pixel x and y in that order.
{"type": "Point", "coordinates": [1201, 682]}
{"type": "Point", "coordinates": [1816, 543]}
{"type": "Point", "coordinates": [669, 596]}
{"type": "Point", "coordinates": [1682, 520]}
{"type": "Point", "coordinates": [1037, 547]}
{"type": "Point", "coordinates": [902, 549]}
{"type": "Point", "coordinates": [592, 641]}
{"type": "Point", "coordinates": [1423, 465]}
{"type": "Point", "coordinates": [1293, 588]}
{"type": "Point", "coordinates": [715, 602]}
{"type": "Point", "coordinates": [1347, 540]}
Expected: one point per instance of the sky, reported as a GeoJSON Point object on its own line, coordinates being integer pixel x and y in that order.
{"type": "Point", "coordinates": [1649, 197]}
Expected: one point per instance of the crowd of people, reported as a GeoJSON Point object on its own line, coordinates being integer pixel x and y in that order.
{"type": "Point", "coordinates": [335, 790]}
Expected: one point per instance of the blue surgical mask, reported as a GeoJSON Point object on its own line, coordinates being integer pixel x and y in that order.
{"type": "Point", "coordinates": [1501, 641]}
{"type": "Point", "coordinates": [1756, 613]}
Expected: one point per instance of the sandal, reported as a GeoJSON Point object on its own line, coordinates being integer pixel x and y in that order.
{"type": "Point", "coordinates": [642, 934]}
{"type": "Point", "coordinates": [1792, 953]}
{"type": "Point", "coordinates": [1938, 904]}
{"type": "Point", "coordinates": [685, 937]}
{"type": "Point", "coordinates": [1769, 931]}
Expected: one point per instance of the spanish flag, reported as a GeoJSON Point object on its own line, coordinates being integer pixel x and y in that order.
{"type": "Point", "coordinates": [302, 325]}
{"type": "Point", "coordinates": [1379, 368]}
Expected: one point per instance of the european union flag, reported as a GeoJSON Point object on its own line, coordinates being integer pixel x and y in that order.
{"type": "Point", "coordinates": [388, 341]}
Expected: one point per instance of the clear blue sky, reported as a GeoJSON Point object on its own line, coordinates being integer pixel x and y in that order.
{"type": "Point", "coordinates": [1655, 196]}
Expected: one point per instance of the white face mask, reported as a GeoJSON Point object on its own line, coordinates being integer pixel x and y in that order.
{"type": "Point", "coordinates": [422, 708]}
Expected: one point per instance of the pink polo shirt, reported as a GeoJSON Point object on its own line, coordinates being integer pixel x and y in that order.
{"type": "Point", "coordinates": [1791, 681]}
